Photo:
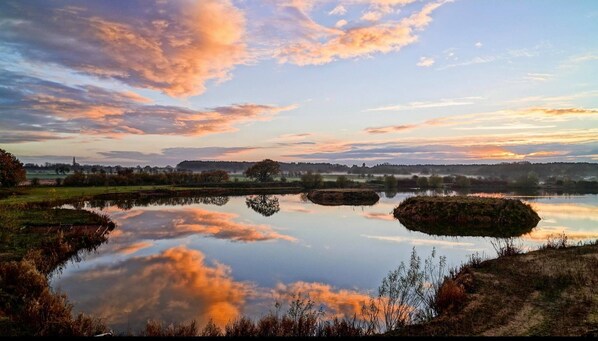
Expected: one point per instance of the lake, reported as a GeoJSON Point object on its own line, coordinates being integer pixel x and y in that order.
{"type": "Point", "coordinates": [199, 258]}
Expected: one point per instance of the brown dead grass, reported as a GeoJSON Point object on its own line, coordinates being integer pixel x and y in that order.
{"type": "Point", "coordinates": [546, 292]}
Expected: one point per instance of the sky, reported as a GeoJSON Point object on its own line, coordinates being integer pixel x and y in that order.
{"type": "Point", "coordinates": [357, 81]}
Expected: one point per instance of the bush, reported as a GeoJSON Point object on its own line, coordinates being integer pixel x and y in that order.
{"type": "Point", "coordinates": [462, 181]}
{"type": "Point", "coordinates": [216, 176]}
{"type": "Point", "coordinates": [390, 182]}
{"type": "Point", "coordinates": [506, 247]}
{"type": "Point", "coordinates": [311, 180]}
{"type": "Point", "coordinates": [422, 182]}
{"type": "Point", "coordinates": [35, 182]}
{"type": "Point", "coordinates": [435, 181]}
{"type": "Point", "coordinates": [450, 296]}
{"type": "Point", "coordinates": [342, 181]}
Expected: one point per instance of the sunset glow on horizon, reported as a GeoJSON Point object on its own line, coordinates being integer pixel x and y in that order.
{"type": "Point", "coordinates": [350, 82]}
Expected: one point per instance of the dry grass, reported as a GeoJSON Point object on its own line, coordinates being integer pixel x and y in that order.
{"type": "Point", "coordinates": [546, 292]}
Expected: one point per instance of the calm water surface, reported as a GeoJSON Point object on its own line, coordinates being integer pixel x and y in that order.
{"type": "Point", "coordinates": [220, 257]}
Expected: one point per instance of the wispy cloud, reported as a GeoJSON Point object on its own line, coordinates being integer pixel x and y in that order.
{"type": "Point", "coordinates": [539, 77]}
{"type": "Point", "coordinates": [425, 62]}
{"type": "Point", "coordinates": [321, 45]}
{"type": "Point", "coordinates": [432, 104]}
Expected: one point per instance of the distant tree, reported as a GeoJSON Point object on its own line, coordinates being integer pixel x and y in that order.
{"type": "Point", "coordinates": [311, 180]}
{"type": "Point", "coordinates": [263, 171]}
{"type": "Point", "coordinates": [11, 170]}
{"type": "Point", "coordinates": [422, 182]}
{"type": "Point", "coordinates": [462, 181]}
{"type": "Point", "coordinates": [216, 176]}
{"type": "Point", "coordinates": [527, 181]}
{"type": "Point", "coordinates": [390, 182]}
{"type": "Point", "coordinates": [435, 181]}
{"type": "Point", "coordinates": [342, 181]}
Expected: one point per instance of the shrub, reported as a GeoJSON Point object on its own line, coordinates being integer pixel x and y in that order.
{"type": "Point", "coordinates": [506, 247]}
{"type": "Point", "coordinates": [216, 176]}
{"type": "Point", "coordinates": [422, 182]}
{"type": "Point", "coordinates": [156, 328]}
{"type": "Point", "coordinates": [450, 296]}
{"type": "Point", "coordinates": [311, 180]}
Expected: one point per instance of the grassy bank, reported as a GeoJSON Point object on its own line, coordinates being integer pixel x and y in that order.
{"type": "Point", "coordinates": [33, 195]}
{"type": "Point", "coordinates": [34, 242]}
{"type": "Point", "coordinates": [553, 292]}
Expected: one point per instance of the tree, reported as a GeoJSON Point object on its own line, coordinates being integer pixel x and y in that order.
{"type": "Point", "coordinates": [390, 182]}
{"type": "Point", "coordinates": [213, 176]}
{"type": "Point", "coordinates": [11, 170]}
{"type": "Point", "coordinates": [311, 180]}
{"type": "Point", "coordinates": [265, 205]}
{"type": "Point", "coordinates": [462, 181]}
{"type": "Point", "coordinates": [435, 181]}
{"type": "Point", "coordinates": [422, 182]}
{"type": "Point", "coordinates": [342, 181]}
{"type": "Point", "coordinates": [263, 171]}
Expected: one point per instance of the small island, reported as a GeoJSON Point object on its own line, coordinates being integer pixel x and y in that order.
{"type": "Point", "coordinates": [348, 196]}
{"type": "Point", "coordinates": [466, 216]}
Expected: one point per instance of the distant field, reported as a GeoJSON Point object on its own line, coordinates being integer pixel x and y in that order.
{"type": "Point", "coordinates": [44, 175]}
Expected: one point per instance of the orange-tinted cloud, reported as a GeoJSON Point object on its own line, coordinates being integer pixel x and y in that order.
{"type": "Point", "coordinates": [566, 211]}
{"type": "Point", "coordinates": [562, 111]}
{"type": "Point", "coordinates": [337, 302]}
{"type": "Point", "coordinates": [134, 247]}
{"type": "Point", "coordinates": [390, 129]}
{"type": "Point", "coordinates": [31, 103]}
{"type": "Point", "coordinates": [361, 41]}
{"type": "Point", "coordinates": [379, 216]}
{"type": "Point", "coordinates": [174, 47]}
{"type": "Point", "coordinates": [173, 286]}
{"type": "Point", "coordinates": [170, 224]}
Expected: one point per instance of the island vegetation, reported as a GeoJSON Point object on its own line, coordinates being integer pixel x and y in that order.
{"type": "Point", "coordinates": [466, 216]}
{"type": "Point", "coordinates": [335, 197]}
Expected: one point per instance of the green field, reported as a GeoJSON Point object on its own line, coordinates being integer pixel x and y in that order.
{"type": "Point", "coordinates": [26, 195]}
{"type": "Point", "coordinates": [44, 175]}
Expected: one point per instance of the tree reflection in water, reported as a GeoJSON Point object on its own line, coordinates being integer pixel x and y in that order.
{"type": "Point", "coordinates": [265, 205]}
{"type": "Point", "coordinates": [129, 203]}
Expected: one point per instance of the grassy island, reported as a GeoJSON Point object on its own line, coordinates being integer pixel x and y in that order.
{"type": "Point", "coordinates": [348, 196]}
{"type": "Point", "coordinates": [466, 216]}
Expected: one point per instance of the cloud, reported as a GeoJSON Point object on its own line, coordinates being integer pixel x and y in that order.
{"type": "Point", "coordinates": [561, 111]}
{"type": "Point", "coordinates": [478, 44]}
{"type": "Point", "coordinates": [539, 77]}
{"type": "Point", "coordinates": [415, 241]}
{"type": "Point", "coordinates": [173, 286]}
{"type": "Point", "coordinates": [27, 136]}
{"type": "Point", "coordinates": [320, 45]}
{"type": "Point", "coordinates": [337, 302]}
{"type": "Point", "coordinates": [379, 216]}
{"type": "Point", "coordinates": [338, 10]}
{"type": "Point", "coordinates": [174, 47]}
{"type": "Point", "coordinates": [390, 129]}
{"type": "Point", "coordinates": [174, 155]}
{"type": "Point", "coordinates": [372, 16]}
{"type": "Point", "coordinates": [425, 62]}
{"type": "Point", "coordinates": [133, 248]}
{"type": "Point", "coordinates": [340, 23]}
{"type": "Point", "coordinates": [33, 104]}
{"type": "Point", "coordinates": [186, 221]}
{"type": "Point", "coordinates": [432, 104]}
